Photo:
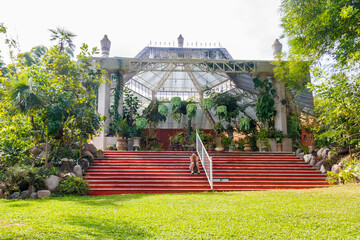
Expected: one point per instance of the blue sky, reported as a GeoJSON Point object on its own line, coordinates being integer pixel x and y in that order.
{"type": "Point", "coordinates": [247, 28]}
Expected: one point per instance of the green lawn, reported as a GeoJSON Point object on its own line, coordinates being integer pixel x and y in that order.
{"type": "Point", "coordinates": [329, 213]}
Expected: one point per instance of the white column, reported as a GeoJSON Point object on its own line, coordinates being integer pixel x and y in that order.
{"type": "Point", "coordinates": [104, 106]}
{"type": "Point", "coordinates": [280, 118]}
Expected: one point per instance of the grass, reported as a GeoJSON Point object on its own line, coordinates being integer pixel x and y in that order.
{"type": "Point", "coordinates": [328, 213]}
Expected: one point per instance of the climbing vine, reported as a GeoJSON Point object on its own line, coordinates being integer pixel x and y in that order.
{"type": "Point", "coordinates": [265, 105]}
{"type": "Point", "coordinates": [114, 112]}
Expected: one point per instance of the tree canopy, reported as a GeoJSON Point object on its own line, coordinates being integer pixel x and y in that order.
{"type": "Point", "coordinates": [324, 36]}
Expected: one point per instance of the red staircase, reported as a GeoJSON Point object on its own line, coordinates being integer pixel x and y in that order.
{"type": "Point", "coordinates": [144, 172]}
{"type": "Point", "coordinates": [263, 171]}
{"type": "Point", "coordinates": [164, 172]}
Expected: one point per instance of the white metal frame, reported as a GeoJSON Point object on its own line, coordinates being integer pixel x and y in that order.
{"type": "Point", "coordinates": [205, 159]}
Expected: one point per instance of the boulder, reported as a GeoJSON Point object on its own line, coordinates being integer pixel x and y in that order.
{"type": "Point", "coordinates": [43, 194]}
{"type": "Point", "coordinates": [35, 151]}
{"type": "Point", "coordinates": [52, 182]}
{"type": "Point", "coordinates": [32, 189]}
{"type": "Point", "coordinates": [323, 169]}
{"type": "Point", "coordinates": [33, 195]}
{"type": "Point", "coordinates": [87, 153]}
{"type": "Point", "coordinates": [1, 193]}
{"type": "Point", "coordinates": [324, 153]}
{"type": "Point", "coordinates": [15, 195]}
{"type": "Point", "coordinates": [332, 155]}
{"type": "Point", "coordinates": [25, 194]}
{"type": "Point", "coordinates": [319, 164]}
{"type": "Point", "coordinates": [311, 149]}
{"type": "Point", "coordinates": [307, 158]}
{"type": "Point", "coordinates": [43, 146]}
{"type": "Point", "coordinates": [298, 152]}
{"type": "Point", "coordinates": [65, 165]}
{"type": "Point", "coordinates": [85, 165]}
{"type": "Point", "coordinates": [312, 161]}
{"type": "Point", "coordinates": [70, 174]}
{"type": "Point", "coordinates": [301, 156]}
{"type": "Point", "coordinates": [342, 150]}
{"type": "Point", "coordinates": [335, 168]}
{"type": "Point", "coordinates": [78, 170]}
{"type": "Point", "coordinates": [91, 148]}
{"type": "Point", "coordinates": [319, 153]}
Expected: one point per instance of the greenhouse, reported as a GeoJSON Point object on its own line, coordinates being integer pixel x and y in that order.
{"type": "Point", "coordinates": [192, 73]}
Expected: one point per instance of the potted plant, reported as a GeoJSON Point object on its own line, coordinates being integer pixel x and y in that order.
{"type": "Point", "coordinates": [275, 140]}
{"type": "Point", "coordinates": [122, 132]}
{"type": "Point", "coordinates": [219, 149]}
{"type": "Point", "coordinates": [278, 134]}
{"type": "Point", "coordinates": [225, 142]}
{"type": "Point", "coordinates": [232, 147]}
{"type": "Point", "coordinates": [263, 140]}
{"type": "Point", "coordinates": [140, 125]}
{"type": "Point", "coordinates": [219, 128]}
{"type": "Point", "coordinates": [247, 127]}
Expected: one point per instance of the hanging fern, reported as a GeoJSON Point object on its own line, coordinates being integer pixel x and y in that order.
{"type": "Point", "coordinates": [175, 103]}
{"type": "Point", "coordinates": [141, 123]}
{"type": "Point", "coordinates": [265, 105]}
{"type": "Point", "coordinates": [191, 110]}
{"type": "Point", "coordinates": [163, 109]}
{"type": "Point", "coordinates": [244, 124]}
{"type": "Point", "coordinates": [207, 103]}
{"type": "Point", "coordinates": [221, 112]}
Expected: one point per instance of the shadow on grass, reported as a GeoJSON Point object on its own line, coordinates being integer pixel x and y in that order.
{"type": "Point", "coordinates": [17, 204]}
{"type": "Point", "coordinates": [102, 200]}
{"type": "Point", "coordinates": [99, 228]}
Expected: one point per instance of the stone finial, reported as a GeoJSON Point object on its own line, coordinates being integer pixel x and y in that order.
{"type": "Point", "coordinates": [105, 46]}
{"type": "Point", "coordinates": [277, 47]}
{"type": "Point", "coordinates": [180, 41]}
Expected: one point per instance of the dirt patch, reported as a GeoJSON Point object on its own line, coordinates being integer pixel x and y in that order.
{"type": "Point", "coordinates": [7, 224]}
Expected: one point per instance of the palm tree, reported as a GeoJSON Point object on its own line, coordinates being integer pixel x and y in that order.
{"type": "Point", "coordinates": [64, 39]}
{"type": "Point", "coordinates": [25, 95]}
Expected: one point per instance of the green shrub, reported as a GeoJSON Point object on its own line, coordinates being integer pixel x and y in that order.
{"type": "Point", "coordinates": [20, 177]}
{"type": "Point", "coordinates": [74, 186]}
{"type": "Point", "coordinates": [226, 141]}
{"type": "Point", "coordinates": [347, 175]}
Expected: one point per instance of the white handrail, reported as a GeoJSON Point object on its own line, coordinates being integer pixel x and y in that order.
{"type": "Point", "coordinates": [205, 159]}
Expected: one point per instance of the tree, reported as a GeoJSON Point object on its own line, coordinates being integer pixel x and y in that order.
{"type": "Point", "coordinates": [26, 95]}
{"type": "Point", "coordinates": [324, 36]}
{"type": "Point", "coordinates": [64, 39]}
{"type": "Point", "coordinates": [320, 28]}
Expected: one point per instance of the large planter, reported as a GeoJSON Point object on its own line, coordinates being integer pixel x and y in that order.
{"type": "Point", "coordinates": [263, 146]}
{"type": "Point", "coordinates": [121, 144]}
{"type": "Point", "coordinates": [273, 145]}
{"type": "Point", "coordinates": [279, 146]}
{"type": "Point", "coordinates": [247, 147]}
{"type": "Point", "coordinates": [136, 143]}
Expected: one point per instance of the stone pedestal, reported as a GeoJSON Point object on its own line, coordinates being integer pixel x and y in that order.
{"type": "Point", "coordinates": [287, 145]}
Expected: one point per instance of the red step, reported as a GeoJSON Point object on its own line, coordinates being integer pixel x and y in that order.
{"type": "Point", "coordinates": [167, 172]}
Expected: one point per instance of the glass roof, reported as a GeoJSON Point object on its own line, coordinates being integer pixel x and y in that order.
{"type": "Point", "coordinates": [184, 83]}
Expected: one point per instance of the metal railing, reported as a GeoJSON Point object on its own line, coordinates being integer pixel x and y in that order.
{"type": "Point", "coordinates": [205, 159]}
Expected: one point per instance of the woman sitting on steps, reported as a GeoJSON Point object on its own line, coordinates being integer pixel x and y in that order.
{"type": "Point", "coordinates": [194, 164]}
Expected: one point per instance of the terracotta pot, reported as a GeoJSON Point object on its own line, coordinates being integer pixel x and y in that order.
{"type": "Point", "coordinates": [121, 144]}
{"type": "Point", "coordinates": [247, 147]}
{"type": "Point", "coordinates": [279, 147]}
